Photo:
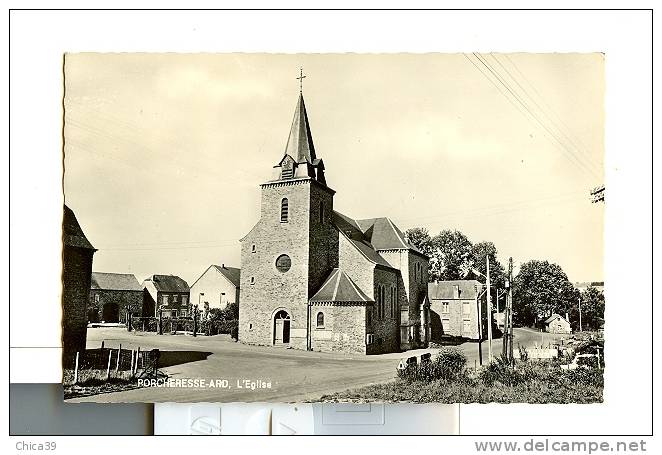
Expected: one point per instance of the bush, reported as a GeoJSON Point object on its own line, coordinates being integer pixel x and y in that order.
{"type": "Point", "coordinates": [448, 365]}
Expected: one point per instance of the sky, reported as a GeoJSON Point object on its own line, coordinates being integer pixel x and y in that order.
{"type": "Point", "coordinates": [164, 153]}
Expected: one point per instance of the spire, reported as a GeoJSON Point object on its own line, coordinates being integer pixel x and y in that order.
{"type": "Point", "coordinates": [300, 141]}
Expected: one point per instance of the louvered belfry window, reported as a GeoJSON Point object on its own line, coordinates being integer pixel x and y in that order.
{"type": "Point", "coordinates": [284, 210]}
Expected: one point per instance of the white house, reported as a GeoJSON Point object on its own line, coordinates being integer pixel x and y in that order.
{"type": "Point", "coordinates": [216, 288]}
{"type": "Point", "coordinates": [557, 324]}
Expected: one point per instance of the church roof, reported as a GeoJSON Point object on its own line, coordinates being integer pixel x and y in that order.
{"type": "Point", "coordinates": [339, 287]}
{"type": "Point", "coordinates": [378, 233]}
{"type": "Point", "coordinates": [384, 235]}
{"type": "Point", "coordinates": [72, 233]}
{"type": "Point", "coordinates": [115, 282]}
{"type": "Point", "coordinates": [300, 141]}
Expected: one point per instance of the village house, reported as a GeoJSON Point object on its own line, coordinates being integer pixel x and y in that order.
{"type": "Point", "coordinates": [557, 324]}
{"type": "Point", "coordinates": [458, 308]}
{"type": "Point", "coordinates": [217, 287]}
{"type": "Point", "coordinates": [168, 293]}
{"type": "Point", "coordinates": [77, 258]}
{"type": "Point", "coordinates": [315, 279]}
{"type": "Point", "coordinates": [113, 296]}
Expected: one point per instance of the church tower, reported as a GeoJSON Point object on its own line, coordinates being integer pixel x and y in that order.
{"type": "Point", "coordinates": [292, 249]}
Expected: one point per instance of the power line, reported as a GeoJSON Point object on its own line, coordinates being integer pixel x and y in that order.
{"type": "Point", "coordinates": [564, 149]}
{"type": "Point", "coordinates": [526, 93]}
{"type": "Point", "coordinates": [569, 154]}
{"type": "Point", "coordinates": [542, 99]}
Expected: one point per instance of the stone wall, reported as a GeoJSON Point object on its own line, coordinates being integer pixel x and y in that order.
{"type": "Point", "coordinates": [386, 330]}
{"type": "Point", "coordinates": [344, 328]}
{"type": "Point", "coordinates": [121, 300]}
{"type": "Point", "coordinates": [76, 280]}
{"type": "Point", "coordinates": [323, 237]}
{"type": "Point", "coordinates": [357, 266]}
{"type": "Point", "coordinates": [263, 289]}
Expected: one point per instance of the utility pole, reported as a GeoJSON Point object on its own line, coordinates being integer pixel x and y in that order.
{"type": "Point", "coordinates": [480, 329]}
{"type": "Point", "coordinates": [507, 351]}
{"type": "Point", "coordinates": [489, 311]}
{"type": "Point", "coordinates": [580, 313]}
{"type": "Point", "coordinates": [510, 310]}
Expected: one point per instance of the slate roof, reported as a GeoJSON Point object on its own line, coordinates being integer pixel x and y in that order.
{"type": "Point", "coordinates": [300, 141]}
{"type": "Point", "coordinates": [340, 288]}
{"type": "Point", "coordinates": [168, 283]}
{"type": "Point", "coordinates": [72, 233]}
{"type": "Point", "coordinates": [372, 235]}
{"type": "Point", "coordinates": [351, 230]}
{"type": "Point", "coordinates": [231, 273]}
{"type": "Point", "coordinates": [384, 235]}
{"type": "Point", "coordinates": [115, 282]}
{"type": "Point", "coordinates": [445, 290]}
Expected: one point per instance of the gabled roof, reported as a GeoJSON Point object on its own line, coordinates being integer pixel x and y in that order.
{"type": "Point", "coordinates": [340, 288]}
{"type": "Point", "coordinates": [384, 235]}
{"type": "Point", "coordinates": [72, 234]}
{"type": "Point", "coordinates": [231, 273]}
{"type": "Point", "coordinates": [350, 229]}
{"type": "Point", "coordinates": [554, 317]}
{"type": "Point", "coordinates": [115, 282]}
{"type": "Point", "coordinates": [168, 283]}
{"type": "Point", "coordinates": [376, 233]}
{"type": "Point", "coordinates": [300, 141]}
{"type": "Point", "coordinates": [445, 290]}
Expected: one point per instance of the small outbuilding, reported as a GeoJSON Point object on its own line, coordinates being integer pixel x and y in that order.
{"type": "Point", "coordinates": [557, 324]}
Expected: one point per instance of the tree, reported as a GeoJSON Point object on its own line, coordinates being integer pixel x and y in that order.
{"type": "Point", "coordinates": [593, 309]}
{"type": "Point", "coordinates": [421, 239]}
{"type": "Point", "coordinates": [451, 256]}
{"type": "Point", "coordinates": [482, 250]}
{"type": "Point", "coordinates": [540, 289]}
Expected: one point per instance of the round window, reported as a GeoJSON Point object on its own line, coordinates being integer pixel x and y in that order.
{"type": "Point", "coordinates": [283, 263]}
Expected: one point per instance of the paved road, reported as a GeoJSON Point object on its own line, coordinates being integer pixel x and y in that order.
{"type": "Point", "coordinates": [294, 375]}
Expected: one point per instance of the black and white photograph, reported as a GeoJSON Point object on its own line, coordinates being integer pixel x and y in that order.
{"type": "Point", "coordinates": [420, 228]}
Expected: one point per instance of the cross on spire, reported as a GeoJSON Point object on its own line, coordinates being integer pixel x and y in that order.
{"type": "Point", "coordinates": [301, 78]}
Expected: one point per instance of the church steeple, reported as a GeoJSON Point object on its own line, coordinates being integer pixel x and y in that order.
{"type": "Point", "coordinates": [300, 141]}
{"type": "Point", "coordinates": [300, 160]}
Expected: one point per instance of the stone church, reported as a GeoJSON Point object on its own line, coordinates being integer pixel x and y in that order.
{"type": "Point", "coordinates": [315, 279]}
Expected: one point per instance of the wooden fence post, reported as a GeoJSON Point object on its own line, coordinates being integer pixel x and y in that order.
{"type": "Point", "coordinates": [110, 356]}
{"type": "Point", "coordinates": [133, 352]}
{"type": "Point", "coordinates": [76, 369]}
{"type": "Point", "coordinates": [119, 357]}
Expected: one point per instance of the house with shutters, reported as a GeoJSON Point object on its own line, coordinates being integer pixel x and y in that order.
{"type": "Point", "coordinates": [313, 278]}
{"type": "Point", "coordinates": [113, 296]}
{"type": "Point", "coordinates": [458, 308]}
{"type": "Point", "coordinates": [217, 287]}
{"type": "Point", "coordinates": [166, 293]}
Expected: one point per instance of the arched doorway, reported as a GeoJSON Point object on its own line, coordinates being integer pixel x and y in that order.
{"type": "Point", "coordinates": [111, 312]}
{"type": "Point", "coordinates": [281, 328]}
